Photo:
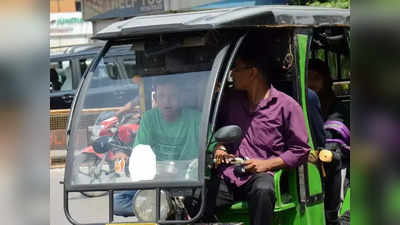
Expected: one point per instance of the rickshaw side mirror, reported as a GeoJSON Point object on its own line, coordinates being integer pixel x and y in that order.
{"type": "Point", "coordinates": [228, 134]}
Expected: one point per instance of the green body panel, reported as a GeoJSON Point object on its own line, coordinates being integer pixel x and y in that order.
{"type": "Point", "coordinates": [346, 203]}
{"type": "Point", "coordinates": [302, 40]}
{"type": "Point", "coordinates": [314, 180]}
{"type": "Point", "coordinates": [237, 213]}
{"type": "Point", "coordinates": [313, 214]}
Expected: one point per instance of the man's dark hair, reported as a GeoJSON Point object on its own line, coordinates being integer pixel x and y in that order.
{"type": "Point", "coordinates": [254, 53]}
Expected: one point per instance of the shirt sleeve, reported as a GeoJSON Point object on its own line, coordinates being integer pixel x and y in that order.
{"type": "Point", "coordinates": [143, 134]}
{"type": "Point", "coordinates": [295, 134]}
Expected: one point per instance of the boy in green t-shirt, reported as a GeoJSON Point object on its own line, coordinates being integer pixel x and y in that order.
{"type": "Point", "coordinates": [172, 131]}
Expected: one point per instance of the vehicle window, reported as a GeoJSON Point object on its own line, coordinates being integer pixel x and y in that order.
{"type": "Point", "coordinates": [163, 91]}
{"type": "Point", "coordinates": [319, 54]}
{"type": "Point", "coordinates": [332, 57]}
{"type": "Point", "coordinates": [107, 72]}
{"type": "Point", "coordinates": [61, 75]}
{"type": "Point", "coordinates": [333, 65]}
{"type": "Point", "coordinates": [84, 64]}
{"type": "Point", "coordinates": [129, 64]}
{"type": "Point", "coordinates": [342, 87]}
{"type": "Point", "coordinates": [346, 67]}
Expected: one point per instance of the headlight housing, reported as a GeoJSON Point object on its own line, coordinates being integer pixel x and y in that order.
{"type": "Point", "coordinates": [144, 205]}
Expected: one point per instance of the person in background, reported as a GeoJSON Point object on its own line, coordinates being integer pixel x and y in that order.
{"type": "Point", "coordinates": [337, 136]}
{"type": "Point", "coordinates": [320, 81]}
{"type": "Point", "coordinates": [56, 84]}
{"type": "Point", "coordinates": [315, 118]}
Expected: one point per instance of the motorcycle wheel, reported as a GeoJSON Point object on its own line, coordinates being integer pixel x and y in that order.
{"type": "Point", "coordinates": [89, 162]}
{"type": "Point", "coordinates": [94, 194]}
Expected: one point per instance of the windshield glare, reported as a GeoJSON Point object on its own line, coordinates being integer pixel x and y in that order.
{"type": "Point", "coordinates": [140, 105]}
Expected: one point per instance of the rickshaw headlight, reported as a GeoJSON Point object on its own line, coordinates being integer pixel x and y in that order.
{"type": "Point", "coordinates": [144, 205]}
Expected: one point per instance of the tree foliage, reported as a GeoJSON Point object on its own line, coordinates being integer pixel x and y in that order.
{"type": "Point", "coordinates": [344, 4]}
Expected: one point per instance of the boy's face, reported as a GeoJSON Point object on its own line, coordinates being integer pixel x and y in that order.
{"type": "Point", "coordinates": [168, 101]}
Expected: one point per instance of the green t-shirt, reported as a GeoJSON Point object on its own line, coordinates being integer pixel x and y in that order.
{"type": "Point", "coordinates": [178, 140]}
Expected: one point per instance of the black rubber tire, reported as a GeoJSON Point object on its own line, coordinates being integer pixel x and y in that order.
{"type": "Point", "coordinates": [94, 194]}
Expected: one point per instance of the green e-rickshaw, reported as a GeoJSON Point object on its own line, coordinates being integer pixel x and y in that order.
{"type": "Point", "coordinates": [196, 50]}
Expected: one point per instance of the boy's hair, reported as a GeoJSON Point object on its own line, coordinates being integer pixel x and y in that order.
{"type": "Point", "coordinates": [167, 80]}
{"type": "Point", "coordinates": [318, 65]}
{"type": "Point", "coordinates": [323, 69]}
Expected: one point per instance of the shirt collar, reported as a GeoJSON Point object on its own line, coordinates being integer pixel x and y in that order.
{"type": "Point", "coordinates": [273, 94]}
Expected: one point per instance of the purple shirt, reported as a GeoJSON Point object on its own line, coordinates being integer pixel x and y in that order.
{"type": "Point", "coordinates": [275, 129]}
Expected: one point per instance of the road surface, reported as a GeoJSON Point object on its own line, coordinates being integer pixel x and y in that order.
{"type": "Point", "coordinates": [84, 210]}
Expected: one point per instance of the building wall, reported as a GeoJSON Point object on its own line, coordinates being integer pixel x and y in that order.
{"type": "Point", "coordinates": [62, 6]}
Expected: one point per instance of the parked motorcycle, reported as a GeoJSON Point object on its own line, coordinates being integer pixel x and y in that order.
{"type": "Point", "coordinates": [100, 162]}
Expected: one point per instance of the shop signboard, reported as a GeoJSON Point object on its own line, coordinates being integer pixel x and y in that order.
{"type": "Point", "coordinates": [92, 8]}
{"type": "Point", "coordinates": [67, 29]}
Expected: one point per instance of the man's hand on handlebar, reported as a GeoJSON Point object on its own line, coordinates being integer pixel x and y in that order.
{"type": "Point", "coordinates": [222, 156]}
{"type": "Point", "coordinates": [263, 165]}
{"type": "Point", "coordinates": [257, 165]}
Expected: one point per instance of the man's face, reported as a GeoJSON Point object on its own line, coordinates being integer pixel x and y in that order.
{"type": "Point", "coordinates": [241, 73]}
{"type": "Point", "coordinates": [315, 81]}
{"type": "Point", "coordinates": [168, 101]}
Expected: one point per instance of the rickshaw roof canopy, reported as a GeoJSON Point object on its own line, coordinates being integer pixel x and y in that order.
{"type": "Point", "coordinates": [257, 16]}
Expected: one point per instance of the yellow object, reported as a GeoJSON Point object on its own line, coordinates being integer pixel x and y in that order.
{"type": "Point", "coordinates": [325, 156]}
{"type": "Point", "coordinates": [138, 80]}
{"type": "Point", "coordinates": [119, 166]}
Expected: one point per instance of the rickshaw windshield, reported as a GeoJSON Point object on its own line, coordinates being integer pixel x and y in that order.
{"type": "Point", "coordinates": [138, 115]}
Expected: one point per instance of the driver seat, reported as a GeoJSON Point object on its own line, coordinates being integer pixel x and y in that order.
{"type": "Point", "coordinates": [285, 193]}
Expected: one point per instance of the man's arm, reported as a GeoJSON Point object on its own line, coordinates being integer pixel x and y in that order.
{"type": "Point", "coordinates": [297, 149]}
{"type": "Point", "coordinates": [264, 165]}
{"type": "Point", "coordinates": [296, 136]}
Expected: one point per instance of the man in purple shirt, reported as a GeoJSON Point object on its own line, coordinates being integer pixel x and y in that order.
{"type": "Point", "coordinates": [274, 137]}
